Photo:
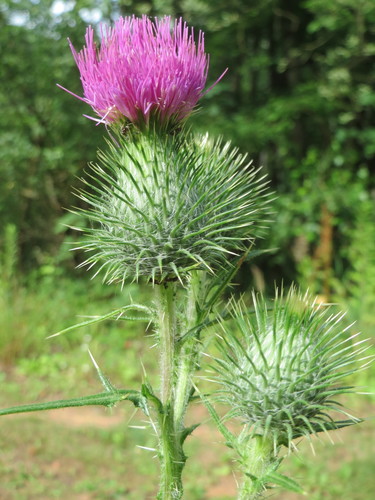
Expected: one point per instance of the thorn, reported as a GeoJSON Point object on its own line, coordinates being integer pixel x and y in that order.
{"type": "Point", "coordinates": [131, 416]}
{"type": "Point", "coordinates": [146, 448]}
{"type": "Point", "coordinates": [93, 360]}
{"type": "Point", "coordinates": [312, 447]}
{"type": "Point", "coordinates": [143, 368]}
{"type": "Point", "coordinates": [106, 383]}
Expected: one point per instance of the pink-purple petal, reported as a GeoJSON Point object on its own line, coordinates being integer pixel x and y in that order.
{"type": "Point", "coordinates": [141, 68]}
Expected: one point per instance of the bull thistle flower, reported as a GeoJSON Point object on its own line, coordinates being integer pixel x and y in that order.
{"type": "Point", "coordinates": [282, 367]}
{"type": "Point", "coordinates": [144, 72]}
{"type": "Point", "coordinates": [166, 205]}
{"type": "Point", "coordinates": [162, 207]}
{"type": "Point", "coordinates": [283, 371]}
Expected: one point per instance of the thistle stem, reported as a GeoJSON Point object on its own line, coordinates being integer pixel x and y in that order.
{"type": "Point", "coordinates": [172, 458]}
{"type": "Point", "coordinates": [170, 453]}
{"type": "Point", "coordinates": [256, 463]}
{"type": "Point", "coordinates": [187, 356]}
{"type": "Point", "coordinates": [167, 337]}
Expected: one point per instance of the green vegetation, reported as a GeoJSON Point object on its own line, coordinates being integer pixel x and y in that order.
{"type": "Point", "coordinates": [57, 458]}
{"type": "Point", "coordinates": [67, 453]}
{"type": "Point", "coordinates": [299, 96]}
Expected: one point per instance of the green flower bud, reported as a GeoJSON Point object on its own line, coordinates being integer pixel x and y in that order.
{"type": "Point", "coordinates": [283, 365]}
{"type": "Point", "coordinates": [163, 206]}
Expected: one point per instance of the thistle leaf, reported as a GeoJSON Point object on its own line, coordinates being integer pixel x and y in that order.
{"type": "Point", "coordinates": [228, 435]}
{"type": "Point", "coordinates": [116, 314]}
{"type": "Point", "coordinates": [149, 395]}
{"type": "Point", "coordinates": [283, 481]}
{"type": "Point", "coordinates": [103, 399]}
{"type": "Point", "coordinates": [187, 432]}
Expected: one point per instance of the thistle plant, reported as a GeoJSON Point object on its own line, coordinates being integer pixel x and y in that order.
{"type": "Point", "coordinates": [280, 371]}
{"type": "Point", "coordinates": [170, 206]}
{"type": "Point", "coordinates": [181, 212]}
{"type": "Point", "coordinates": [144, 72]}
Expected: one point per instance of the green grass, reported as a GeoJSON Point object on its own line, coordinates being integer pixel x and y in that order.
{"type": "Point", "coordinates": [92, 453]}
{"type": "Point", "coordinates": [57, 455]}
{"type": "Point", "coordinates": [342, 470]}
{"type": "Point", "coordinates": [52, 460]}
{"type": "Point", "coordinates": [28, 315]}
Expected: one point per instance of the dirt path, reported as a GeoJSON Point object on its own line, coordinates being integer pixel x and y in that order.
{"type": "Point", "coordinates": [87, 417]}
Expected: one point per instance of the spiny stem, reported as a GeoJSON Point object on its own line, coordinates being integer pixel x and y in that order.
{"type": "Point", "coordinates": [102, 399]}
{"type": "Point", "coordinates": [167, 337]}
{"type": "Point", "coordinates": [258, 460]}
{"type": "Point", "coordinates": [171, 454]}
{"type": "Point", "coordinates": [188, 354]}
{"type": "Point", "coordinates": [172, 458]}
{"type": "Point", "coordinates": [178, 362]}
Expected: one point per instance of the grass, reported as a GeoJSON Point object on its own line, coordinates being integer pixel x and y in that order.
{"type": "Point", "coordinates": [342, 470]}
{"type": "Point", "coordinates": [54, 460]}
{"type": "Point", "coordinates": [92, 453]}
{"type": "Point", "coordinates": [30, 314]}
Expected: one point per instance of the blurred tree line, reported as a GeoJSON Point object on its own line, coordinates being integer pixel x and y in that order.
{"type": "Point", "coordinates": [299, 96]}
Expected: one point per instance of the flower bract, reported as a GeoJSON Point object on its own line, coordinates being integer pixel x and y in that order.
{"type": "Point", "coordinates": [284, 364]}
{"type": "Point", "coordinates": [145, 71]}
{"type": "Point", "coordinates": [161, 207]}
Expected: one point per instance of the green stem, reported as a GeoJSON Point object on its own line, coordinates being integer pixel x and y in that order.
{"type": "Point", "coordinates": [172, 458]}
{"type": "Point", "coordinates": [256, 463]}
{"type": "Point", "coordinates": [188, 355]}
{"type": "Point", "coordinates": [167, 338]}
{"type": "Point", "coordinates": [102, 399]}
{"type": "Point", "coordinates": [171, 454]}
{"type": "Point", "coordinates": [178, 362]}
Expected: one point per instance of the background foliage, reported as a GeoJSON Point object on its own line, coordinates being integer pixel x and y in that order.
{"type": "Point", "coordinates": [298, 97]}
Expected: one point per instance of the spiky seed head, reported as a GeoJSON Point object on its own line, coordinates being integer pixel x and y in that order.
{"type": "Point", "coordinates": [283, 365]}
{"type": "Point", "coordinates": [163, 206]}
{"type": "Point", "coordinates": [145, 71]}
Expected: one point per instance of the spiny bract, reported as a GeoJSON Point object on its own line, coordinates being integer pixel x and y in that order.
{"type": "Point", "coordinates": [282, 365]}
{"type": "Point", "coordinates": [162, 206]}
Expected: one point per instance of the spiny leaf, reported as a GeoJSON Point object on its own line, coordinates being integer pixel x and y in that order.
{"type": "Point", "coordinates": [117, 313]}
{"type": "Point", "coordinates": [103, 379]}
{"type": "Point", "coordinates": [186, 432]}
{"type": "Point", "coordinates": [231, 438]}
{"type": "Point", "coordinates": [149, 395]}
{"type": "Point", "coordinates": [283, 481]}
{"type": "Point", "coordinates": [103, 399]}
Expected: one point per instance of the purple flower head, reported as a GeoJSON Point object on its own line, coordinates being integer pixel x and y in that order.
{"type": "Point", "coordinates": [143, 71]}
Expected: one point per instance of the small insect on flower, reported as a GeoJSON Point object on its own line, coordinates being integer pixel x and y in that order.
{"type": "Point", "coordinates": [144, 72]}
{"type": "Point", "coordinates": [284, 364]}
